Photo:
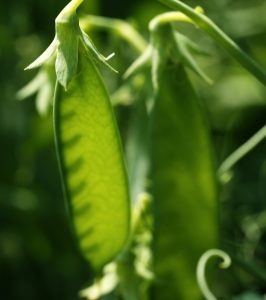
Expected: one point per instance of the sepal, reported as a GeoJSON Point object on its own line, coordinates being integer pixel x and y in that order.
{"type": "Point", "coordinates": [45, 56]}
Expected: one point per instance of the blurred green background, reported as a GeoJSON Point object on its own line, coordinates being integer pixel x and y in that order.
{"type": "Point", "coordinates": [38, 256]}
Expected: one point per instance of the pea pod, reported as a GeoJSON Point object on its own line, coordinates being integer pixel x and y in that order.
{"type": "Point", "coordinates": [91, 164]}
{"type": "Point", "coordinates": [184, 185]}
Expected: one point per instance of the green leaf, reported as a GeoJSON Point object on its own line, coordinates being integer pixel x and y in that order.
{"type": "Point", "coordinates": [67, 52]}
{"type": "Point", "coordinates": [92, 166]}
{"type": "Point", "coordinates": [207, 25]}
{"type": "Point", "coordinates": [44, 98]}
{"type": "Point", "coordinates": [184, 186]}
{"type": "Point", "coordinates": [140, 63]}
{"type": "Point", "coordinates": [184, 47]}
{"type": "Point", "coordinates": [65, 45]}
{"type": "Point", "coordinates": [43, 85]}
{"type": "Point", "coordinates": [45, 56]}
{"type": "Point", "coordinates": [33, 86]}
{"type": "Point", "coordinates": [95, 52]}
{"type": "Point", "coordinates": [168, 43]}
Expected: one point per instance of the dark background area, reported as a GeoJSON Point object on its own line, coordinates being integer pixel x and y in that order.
{"type": "Point", "coordinates": [38, 256]}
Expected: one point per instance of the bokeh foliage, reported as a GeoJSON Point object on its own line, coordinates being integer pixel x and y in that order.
{"type": "Point", "coordinates": [38, 258]}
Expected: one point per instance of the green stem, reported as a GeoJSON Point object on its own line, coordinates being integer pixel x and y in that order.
{"type": "Point", "coordinates": [168, 17]}
{"type": "Point", "coordinates": [239, 153]}
{"type": "Point", "coordinates": [220, 37]}
{"type": "Point", "coordinates": [119, 27]}
{"type": "Point", "coordinates": [69, 9]}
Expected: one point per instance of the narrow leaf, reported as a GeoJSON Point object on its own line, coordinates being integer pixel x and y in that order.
{"type": "Point", "coordinates": [33, 86]}
{"type": "Point", "coordinates": [140, 63]}
{"type": "Point", "coordinates": [185, 49]}
{"type": "Point", "coordinates": [45, 56]}
{"type": "Point", "coordinates": [89, 46]}
{"type": "Point", "coordinates": [67, 54]}
{"type": "Point", "coordinates": [44, 98]}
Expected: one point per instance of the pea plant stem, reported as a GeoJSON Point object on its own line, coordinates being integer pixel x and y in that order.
{"type": "Point", "coordinates": [69, 9]}
{"type": "Point", "coordinates": [168, 17]}
{"type": "Point", "coordinates": [172, 16]}
{"type": "Point", "coordinates": [239, 153]}
{"type": "Point", "coordinates": [220, 37]}
{"type": "Point", "coordinates": [119, 27]}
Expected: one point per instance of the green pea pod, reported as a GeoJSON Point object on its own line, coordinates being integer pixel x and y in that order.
{"type": "Point", "coordinates": [91, 164]}
{"type": "Point", "coordinates": [184, 186]}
